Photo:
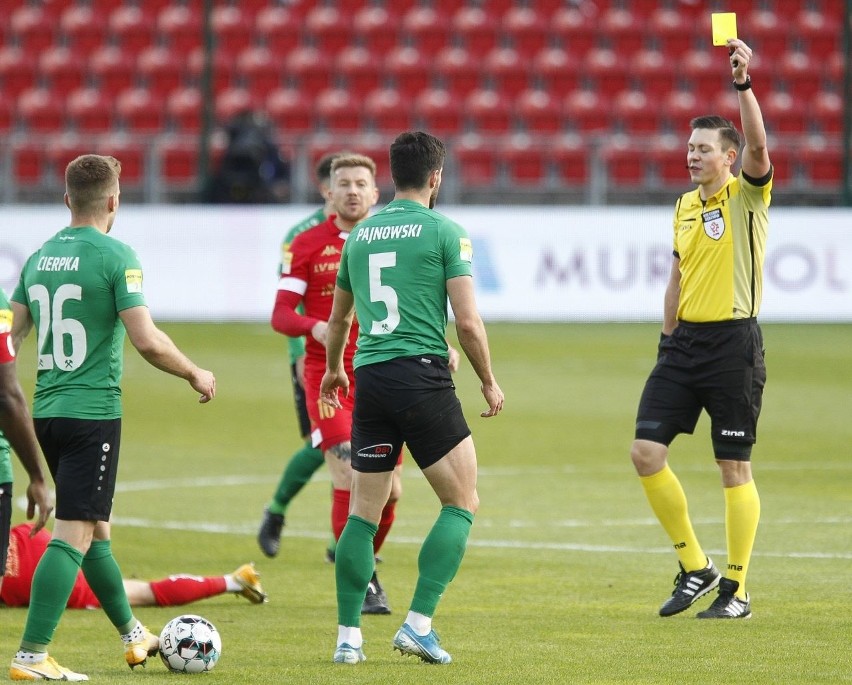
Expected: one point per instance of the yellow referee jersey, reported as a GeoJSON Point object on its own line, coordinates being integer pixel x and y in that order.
{"type": "Point", "coordinates": [721, 243]}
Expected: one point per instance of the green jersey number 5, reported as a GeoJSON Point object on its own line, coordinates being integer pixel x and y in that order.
{"type": "Point", "coordinates": [52, 322]}
{"type": "Point", "coordinates": [383, 293]}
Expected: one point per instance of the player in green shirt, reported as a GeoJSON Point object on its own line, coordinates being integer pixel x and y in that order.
{"type": "Point", "coordinates": [81, 290]}
{"type": "Point", "coordinates": [397, 270]}
{"type": "Point", "coordinates": [16, 430]}
{"type": "Point", "coordinates": [307, 459]}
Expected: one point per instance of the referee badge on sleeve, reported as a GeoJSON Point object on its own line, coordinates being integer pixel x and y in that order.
{"type": "Point", "coordinates": [714, 223]}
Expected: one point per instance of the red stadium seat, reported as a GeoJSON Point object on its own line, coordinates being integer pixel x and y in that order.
{"type": "Point", "coordinates": [459, 70]}
{"type": "Point", "coordinates": [17, 71]}
{"type": "Point", "coordinates": [260, 69]}
{"type": "Point", "coordinates": [799, 72]}
{"type": "Point", "coordinates": [653, 72]}
{"type": "Point", "coordinates": [487, 111]}
{"type": "Point", "coordinates": [29, 161]}
{"type": "Point", "coordinates": [184, 108]}
{"type": "Point", "coordinates": [105, 7]}
{"type": "Point", "coordinates": [573, 30]}
{"type": "Point", "coordinates": [525, 29]}
{"type": "Point", "coordinates": [278, 28]}
{"type": "Point", "coordinates": [64, 148]}
{"type": "Point", "coordinates": [477, 161]}
{"type": "Point", "coordinates": [440, 112]}
{"type": "Point", "coordinates": [112, 69]}
{"type": "Point", "coordinates": [407, 69]}
{"type": "Point", "coordinates": [671, 30]}
{"type": "Point", "coordinates": [337, 109]}
{"type": "Point", "coordinates": [700, 68]}
{"type": "Point", "coordinates": [835, 70]}
{"type": "Point", "coordinates": [178, 161]}
{"type": "Point", "coordinates": [526, 161]}
{"type": "Point", "coordinates": [822, 163]}
{"type": "Point", "coordinates": [784, 160]}
{"type": "Point", "coordinates": [768, 34]}
{"type": "Point", "coordinates": [726, 104]}
{"type": "Point", "coordinates": [84, 29]}
{"type": "Point", "coordinates": [131, 29]}
{"type": "Point", "coordinates": [377, 29]}
{"type": "Point", "coordinates": [426, 29]}
{"type": "Point", "coordinates": [783, 113]}
{"type": "Point", "coordinates": [328, 28]}
{"type": "Point", "coordinates": [476, 28]}
{"type": "Point", "coordinates": [826, 112]}
{"type": "Point", "coordinates": [290, 110]}
{"type": "Point", "coordinates": [635, 112]}
{"type": "Point", "coordinates": [359, 69]}
{"type": "Point", "coordinates": [90, 110]}
{"type": "Point", "coordinates": [678, 109]}
{"type": "Point", "coordinates": [507, 70]}
{"type": "Point", "coordinates": [232, 102]}
{"type": "Point", "coordinates": [668, 152]}
{"type": "Point", "coordinates": [586, 111]}
{"type": "Point", "coordinates": [33, 29]}
{"type": "Point", "coordinates": [181, 28]}
{"type": "Point", "coordinates": [309, 70]}
{"type": "Point", "coordinates": [557, 70]}
{"type": "Point", "coordinates": [140, 110]}
{"type": "Point", "coordinates": [607, 70]}
{"type": "Point", "coordinates": [538, 111]}
{"type": "Point", "coordinates": [40, 110]}
{"type": "Point", "coordinates": [231, 29]}
{"type": "Point", "coordinates": [223, 69]}
{"type": "Point", "coordinates": [448, 7]}
{"type": "Point", "coordinates": [624, 161]}
{"type": "Point", "coordinates": [131, 153]}
{"type": "Point", "coordinates": [820, 33]}
{"type": "Point", "coordinates": [161, 70]}
{"type": "Point", "coordinates": [387, 111]}
{"type": "Point", "coordinates": [7, 116]}
{"type": "Point", "coordinates": [622, 30]}
{"type": "Point", "coordinates": [62, 70]}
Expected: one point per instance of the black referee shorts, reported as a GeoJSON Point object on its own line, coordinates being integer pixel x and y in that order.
{"type": "Point", "coordinates": [718, 367]}
{"type": "Point", "coordinates": [82, 455]}
{"type": "Point", "coordinates": [410, 400]}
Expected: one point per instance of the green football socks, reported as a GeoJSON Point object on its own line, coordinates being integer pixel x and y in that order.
{"type": "Point", "coordinates": [353, 569]}
{"type": "Point", "coordinates": [440, 558]}
{"type": "Point", "coordinates": [104, 577]}
{"type": "Point", "coordinates": [52, 584]}
{"type": "Point", "coordinates": [298, 472]}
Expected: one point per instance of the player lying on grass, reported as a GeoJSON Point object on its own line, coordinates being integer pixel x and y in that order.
{"type": "Point", "coordinates": [25, 552]}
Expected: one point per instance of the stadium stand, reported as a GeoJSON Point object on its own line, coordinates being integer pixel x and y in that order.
{"type": "Point", "coordinates": [530, 94]}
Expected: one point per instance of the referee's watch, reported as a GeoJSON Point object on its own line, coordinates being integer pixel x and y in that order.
{"type": "Point", "coordinates": [745, 85]}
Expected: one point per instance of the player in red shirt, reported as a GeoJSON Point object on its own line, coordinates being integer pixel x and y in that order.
{"type": "Point", "coordinates": [309, 272]}
{"type": "Point", "coordinates": [25, 551]}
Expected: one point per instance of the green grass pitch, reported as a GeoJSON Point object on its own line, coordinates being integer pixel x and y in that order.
{"type": "Point", "coordinates": [566, 566]}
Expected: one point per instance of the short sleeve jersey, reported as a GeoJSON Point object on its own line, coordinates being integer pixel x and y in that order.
{"type": "Point", "coordinates": [296, 346]}
{"type": "Point", "coordinates": [310, 269]}
{"type": "Point", "coordinates": [721, 243]}
{"type": "Point", "coordinates": [74, 286]}
{"type": "Point", "coordinates": [7, 356]}
{"type": "Point", "coordinates": [396, 265]}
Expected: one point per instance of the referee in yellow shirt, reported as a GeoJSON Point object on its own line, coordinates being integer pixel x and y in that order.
{"type": "Point", "coordinates": [711, 348]}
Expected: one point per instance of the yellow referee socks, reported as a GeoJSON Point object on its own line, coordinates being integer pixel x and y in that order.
{"type": "Point", "coordinates": [742, 512]}
{"type": "Point", "coordinates": [668, 501]}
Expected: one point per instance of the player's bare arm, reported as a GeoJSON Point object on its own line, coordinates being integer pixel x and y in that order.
{"type": "Point", "coordinates": [473, 340]}
{"type": "Point", "coordinates": [22, 324]}
{"type": "Point", "coordinates": [339, 323]}
{"type": "Point", "coordinates": [755, 160]}
{"type": "Point", "coordinates": [158, 350]}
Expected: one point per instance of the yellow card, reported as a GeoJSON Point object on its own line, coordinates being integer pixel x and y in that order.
{"type": "Point", "coordinates": [724, 27]}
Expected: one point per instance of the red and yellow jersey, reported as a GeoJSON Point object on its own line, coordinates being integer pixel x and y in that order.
{"type": "Point", "coordinates": [309, 269]}
{"type": "Point", "coordinates": [721, 243]}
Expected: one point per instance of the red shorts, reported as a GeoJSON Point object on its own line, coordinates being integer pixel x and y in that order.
{"type": "Point", "coordinates": [24, 555]}
{"type": "Point", "coordinates": [329, 426]}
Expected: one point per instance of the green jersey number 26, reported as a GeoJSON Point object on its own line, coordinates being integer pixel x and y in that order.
{"type": "Point", "coordinates": [51, 322]}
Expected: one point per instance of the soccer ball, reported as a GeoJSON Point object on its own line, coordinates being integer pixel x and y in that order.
{"type": "Point", "coordinates": [190, 644]}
